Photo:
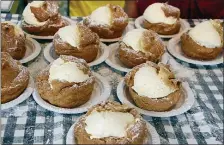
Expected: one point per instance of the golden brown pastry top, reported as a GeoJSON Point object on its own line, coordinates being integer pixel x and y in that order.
{"type": "Point", "coordinates": [9, 28]}
{"type": "Point", "coordinates": [10, 35]}
{"type": "Point", "coordinates": [171, 11]}
{"type": "Point", "coordinates": [9, 69]}
{"type": "Point", "coordinates": [114, 107]}
{"type": "Point", "coordinates": [161, 13]}
{"type": "Point", "coordinates": [87, 36]}
{"type": "Point", "coordinates": [136, 131]}
{"type": "Point", "coordinates": [82, 35]}
{"type": "Point", "coordinates": [208, 34]}
{"type": "Point", "coordinates": [48, 10]}
{"type": "Point", "coordinates": [42, 14]}
{"type": "Point", "coordinates": [81, 63]}
{"type": "Point", "coordinates": [151, 41]}
{"type": "Point", "coordinates": [59, 84]}
{"type": "Point", "coordinates": [147, 42]}
{"type": "Point", "coordinates": [117, 17]}
{"type": "Point", "coordinates": [163, 72]}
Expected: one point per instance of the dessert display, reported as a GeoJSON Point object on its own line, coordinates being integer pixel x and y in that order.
{"type": "Point", "coordinates": [162, 18]}
{"type": "Point", "coordinates": [77, 40]}
{"type": "Point", "coordinates": [153, 87]}
{"type": "Point", "coordinates": [67, 82]}
{"type": "Point", "coordinates": [42, 18]}
{"type": "Point", "coordinates": [12, 40]}
{"type": "Point", "coordinates": [14, 78]}
{"type": "Point", "coordinates": [111, 123]}
{"type": "Point", "coordinates": [139, 46]}
{"type": "Point", "coordinates": [108, 21]}
{"type": "Point", "coordinates": [204, 41]}
{"type": "Point", "coordinates": [68, 91]}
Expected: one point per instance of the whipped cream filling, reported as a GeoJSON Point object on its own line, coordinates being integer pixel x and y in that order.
{"type": "Point", "coordinates": [108, 124]}
{"type": "Point", "coordinates": [206, 35]}
{"type": "Point", "coordinates": [29, 17]}
{"type": "Point", "coordinates": [133, 39]}
{"type": "Point", "coordinates": [147, 83]}
{"type": "Point", "coordinates": [155, 14]}
{"type": "Point", "coordinates": [101, 15]}
{"type": "Point", "coordinates": [66, 71]}
{"type": "Point", "coordinates": [70, 34]}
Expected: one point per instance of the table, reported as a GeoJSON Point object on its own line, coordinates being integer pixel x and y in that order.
{"type": "Point", "coordinates": [28, 123]}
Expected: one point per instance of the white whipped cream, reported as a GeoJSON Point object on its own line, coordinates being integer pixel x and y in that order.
{"type": "Point", "coordinates": [108, 124]}
{"type": "Point", "coordinates": [101, 15]}
{"type": "Point", "coordinates": [70, 34]}
{"type": "Point", "coordinates": [206, 35]}
{"type": "Point", "coordinates": [148, 84]}
{"type": "Point", "coordinates": [66, 71]}
{"type": "Point", "coordinates": [29, 17]}
{"type": "Point", "coordinates": [133, 39]}
{"type": "Point", "coordinates": [155, 14]}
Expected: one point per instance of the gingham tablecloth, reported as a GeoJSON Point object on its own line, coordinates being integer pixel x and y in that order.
{"type": "Point", "coordinates": [28, 123]}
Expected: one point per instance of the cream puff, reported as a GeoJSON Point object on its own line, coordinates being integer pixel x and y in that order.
{"type": "Point", "coordinates": [153, 87]}
{"type": "Point", "coordinates": [162, 18]}
{"type": "Point", "coordinates": [42, 18]}
{"type": "Point", "coordinates": [77, 40]}
{"type": "Point", "coordinates": [14, 78]}
{"type": "Point", "coordinates": [139, 46]}
{"type": "Point", "coordinates": [107, 21]}
{"type": "Point", "coordinates": [204, 41]}
{"type": "Point", "coordinates": [12, 40]}
{"type": "Point", "coordinates": [67, 82]}
{"type": "Point", "coordinates": [111, 123]}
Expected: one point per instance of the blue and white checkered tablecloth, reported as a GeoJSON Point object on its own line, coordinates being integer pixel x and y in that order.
{"type": "Point", "coordinates": [28, 123]}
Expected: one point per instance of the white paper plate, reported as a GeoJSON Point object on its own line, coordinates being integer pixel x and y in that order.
{"type": "Point", "coordinates": [128, 28]}
{"type": "Point", "coordinates": [33, 49]}
{"type": "Point", "coordinates": [101, 92]}
{"type": "Point", "coordinates": [114, 61]}
{"type": "Point", "coordinates": [153, 137]}
{"type": "Point", "coordinates": [103, 53]}
{"type": "Point", "coordinates": [184, 25]}
{"type": "Point", "coordinates": [45, 37]}
{"type": "Point", "coordinates": [174, 47]}
{"type": "Point", "coordinates": [182, 106]}
{"type": "Point", "coordinates": [26, 94]}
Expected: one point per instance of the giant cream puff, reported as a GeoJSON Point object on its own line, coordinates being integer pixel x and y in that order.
{"type": "Point", "coordinates": [204, 41]}
{"type": "Point", "coordinates": [12, 40]}
{"type": "Point", "coordinates": [67, 82]}
{"type": "Point", "coordinates": [153, 87]}
{"type": "Point", "coordinates": [42, 18]}
{"type": "Point", "coordinates": [111, 123]}
{"type": "Point", "coordinates": [139, 46]}
{"type": "Point", "coordinates": [14, 78]}
{"type": "Point", "coordinates": [162, 18]}
{"type": "Point", "coordinates": [77, 40]}
{"type": "Point", "coordinates": [108, 21]}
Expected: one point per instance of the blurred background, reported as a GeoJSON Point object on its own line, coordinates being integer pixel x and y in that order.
{"type": "Point", "coordinates": [190, 9]}
{"type": "Point", "coordinates": [17, 6]}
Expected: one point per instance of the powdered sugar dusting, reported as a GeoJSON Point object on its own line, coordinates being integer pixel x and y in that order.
{"type": "Point", "coordinates": [100, 93]}
{"type": "Point", "coordinates": [94, 23]}
{"type": "Point", "coordinates": [135, 130]}
{"type": "Point", "coordinates": [120, 19]}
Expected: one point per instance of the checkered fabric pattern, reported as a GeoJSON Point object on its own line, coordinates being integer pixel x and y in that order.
{"type": "Point", "coordinates": [28, 123]}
